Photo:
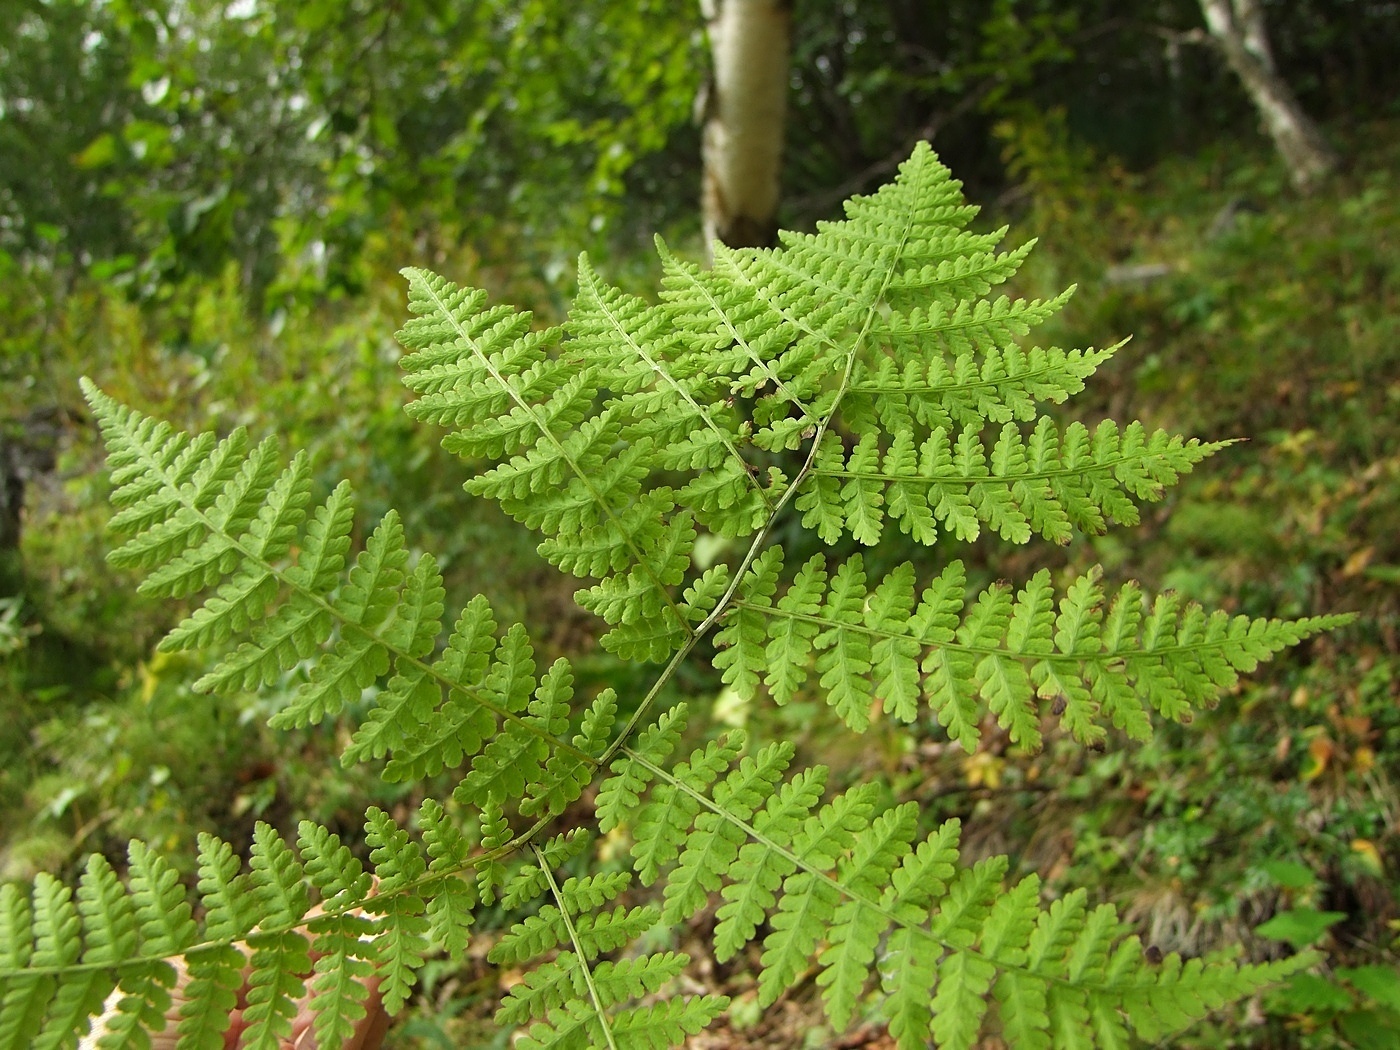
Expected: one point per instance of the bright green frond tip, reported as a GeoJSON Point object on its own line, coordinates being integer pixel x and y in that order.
{"type": "Point", "coordinates": [865, 383]}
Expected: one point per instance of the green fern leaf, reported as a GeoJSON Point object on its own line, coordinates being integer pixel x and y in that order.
{"type": "Point", "coordinates": [108, 915]}
{"type": "Point", "coordinates": [277, 879]}
{"type": "Point", "coordinates": [924, 874]}
{"type": "Point", "coordinates": [1016, 488]}
{"type": "Point", "coordinates": [332, 868]}
{"type": "Point", "coordinates": [843, 649]}
{"type": "Point", "coordinates": [765, 862]}
{"type": "Point", "coordinates": [229, 912]}
{"type": "Point", "coordinates": [620, 794]}
{"type": "Point", "coordinates": [1007, 653]}
{"type": "Point", "coordinates": [1000, 384]}
{"type": "Point", "coordinates": [710, 847]}
{"type": "Point", "coordinates": [663, 823]}
{"type": "Point", "coordinates": [161, 909]}
{"type": "Point", "coordinates": [664, 1025]}
{"type": "Point", "coordinates": [857, 927]}
{"type": "Point", "coordinates": [444, 839]}
{"type": "Point", "coordinates": [402, 941]}
{"type": "Point", "coordinates": [804, 910]}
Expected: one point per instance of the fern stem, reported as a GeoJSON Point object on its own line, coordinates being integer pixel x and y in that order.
{"type": "Point", "coordinates": [598, 1009]}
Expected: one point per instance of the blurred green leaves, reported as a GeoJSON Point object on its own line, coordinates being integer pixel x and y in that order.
{"type": "Point", "coordinates": [1300, 927]}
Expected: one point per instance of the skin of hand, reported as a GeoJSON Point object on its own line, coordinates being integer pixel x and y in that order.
{"type": "Point", "coordinates": [367, 1035]}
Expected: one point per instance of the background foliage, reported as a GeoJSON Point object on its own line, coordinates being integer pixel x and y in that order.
{"type": "Point", "coordinates": [202, 205]}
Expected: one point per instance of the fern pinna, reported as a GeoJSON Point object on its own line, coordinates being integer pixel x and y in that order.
{"type": "Point", "coordinates": [859, 380]}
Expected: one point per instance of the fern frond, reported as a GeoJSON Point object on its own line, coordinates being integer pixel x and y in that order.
{"type": "Point", "coordinates": [846, 378]}
{"type": "Point", "coordinates": [561, 471]}
{"type": "Point", "coordinates": [471, 703]}
{"type": "Point", "coordinates": [118, 950]}
{"type": "Point", "coordinates": [960, 946]}
{"type": "Point", "coordinates": [1096, 661]}
{"type": "Point", "coordinates": [1046, 484]}
{"type": "Point", "coordinates": [998, 385]}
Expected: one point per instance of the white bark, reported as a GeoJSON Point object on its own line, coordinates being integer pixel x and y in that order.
{"type": "Point", "coordinates": [744, 113]}
{"type": "Point", "coordinates": [1237, 26]}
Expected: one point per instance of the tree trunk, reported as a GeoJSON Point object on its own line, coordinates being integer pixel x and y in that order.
{"type": "Point", "coordinates": [1237, 26]}
{"type": "Point", "coordinates": [27, 449]}
{"type": "Point", "coordinates": [743, 113]}
{"type": "Point", "coordinates": [11, 517]}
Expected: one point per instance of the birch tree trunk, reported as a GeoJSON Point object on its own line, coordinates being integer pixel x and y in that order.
{"type": "Point", "coordinates": [1237, 26]}
{"type": "Point", "coordinates": [743, 114]}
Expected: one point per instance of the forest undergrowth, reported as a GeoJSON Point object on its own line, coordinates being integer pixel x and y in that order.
{"type": "Point", "coordinates": [1254, 315]}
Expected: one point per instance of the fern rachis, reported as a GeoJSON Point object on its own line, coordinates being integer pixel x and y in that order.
{"type": "Point", "coordinates": [849, 378]}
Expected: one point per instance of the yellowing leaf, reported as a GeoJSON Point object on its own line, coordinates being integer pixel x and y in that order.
{"type": "Point", "coordinates": [1320, 752]}
{"type": "Point", "coordinates": [983, 769]}
{"type": "Point", "coordinates": [1369, 855]}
